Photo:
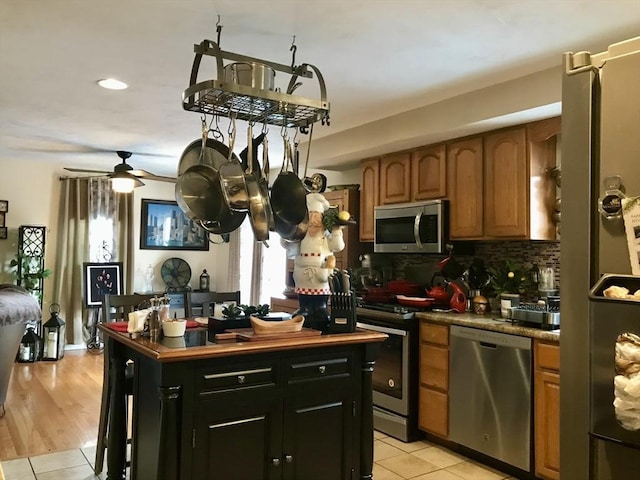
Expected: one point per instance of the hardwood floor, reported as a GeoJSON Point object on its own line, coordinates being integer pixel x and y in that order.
{"type": "Point", "coordinates": [52, 406]}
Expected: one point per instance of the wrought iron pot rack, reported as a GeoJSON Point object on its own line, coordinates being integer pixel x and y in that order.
{"type": "Point", "coordinates": [217, 97]}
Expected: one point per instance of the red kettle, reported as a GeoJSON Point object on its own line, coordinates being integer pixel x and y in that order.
{"type": "Point", "coordinates": [438, 293]}
{"type": "Point", "coordinates": [458, 302]}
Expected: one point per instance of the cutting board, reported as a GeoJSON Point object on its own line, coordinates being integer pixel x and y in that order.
{"type": "Point", "coordinates": [247, 335]}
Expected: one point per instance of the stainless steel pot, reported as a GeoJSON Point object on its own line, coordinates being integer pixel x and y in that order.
{"type": "Point", "coordinates": [215, 155]}
{"type": "Point", "coordinates": [198, 193]}
{"type": "Point", "coordinates": [232, 181]}
{"type": "Point", "coordinates": [254, 75]}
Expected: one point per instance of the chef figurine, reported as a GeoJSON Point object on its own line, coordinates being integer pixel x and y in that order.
{"type": "Point", "coordinates": [314, 263]}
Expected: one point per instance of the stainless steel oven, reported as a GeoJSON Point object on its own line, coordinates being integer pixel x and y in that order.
{"type": "Point", "coordinates": [395, 376]}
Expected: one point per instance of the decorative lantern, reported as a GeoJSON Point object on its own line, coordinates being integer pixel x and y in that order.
{"type": "Point", "coordinates": [204, 281]}
{"type": "Point", "coordinates": [30, 347]}
{"type": "Point", "coordinates": [54, 335]}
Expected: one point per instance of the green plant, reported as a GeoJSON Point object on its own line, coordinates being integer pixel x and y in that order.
{"type": "Point", "coordinates": [508, 277]}
{"type": "Point", "coordinates": [259, 310]}
{"type": "Point", "coordinates": [30, 274]}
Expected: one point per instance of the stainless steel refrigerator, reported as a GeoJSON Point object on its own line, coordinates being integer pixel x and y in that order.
{"type": "Point", "coordinates": [600, 157]}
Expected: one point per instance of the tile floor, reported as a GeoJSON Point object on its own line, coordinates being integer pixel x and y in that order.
{"type": "Point", "coordinates": [394, 460]}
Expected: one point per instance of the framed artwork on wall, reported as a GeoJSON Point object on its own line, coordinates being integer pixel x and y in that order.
{"type": "Point", "coordinates": [100, 279]}
{"type": "Point", "coordinates": [4, 206]}
{"type": "Point", "coordinates": [1, 219]}
{"type": "Point", "coordinates": [3, 233]}
{"type": "Point", "coordinates": [164, 226]}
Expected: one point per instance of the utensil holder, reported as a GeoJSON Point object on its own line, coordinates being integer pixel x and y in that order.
{"type": "Point", "coordinates": [343, 313]}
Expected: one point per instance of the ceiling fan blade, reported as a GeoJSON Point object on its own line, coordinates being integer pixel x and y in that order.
{"type": "Point", "coordinates": [152, 176]}
{"type": "Point", "coordinates": [86, 170]}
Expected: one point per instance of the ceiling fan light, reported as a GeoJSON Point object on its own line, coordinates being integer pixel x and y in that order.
{"type": "Point", "coordinates": [124, 183]}
{"type": "Point", "coordinates": [112, 84]}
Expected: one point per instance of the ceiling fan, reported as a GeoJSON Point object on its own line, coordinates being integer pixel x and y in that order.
{"type": "Point", "coordinates": [124, 178]}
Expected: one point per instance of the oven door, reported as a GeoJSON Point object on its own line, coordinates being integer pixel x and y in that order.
{"type": "Point", "coordinates": [391, 372]}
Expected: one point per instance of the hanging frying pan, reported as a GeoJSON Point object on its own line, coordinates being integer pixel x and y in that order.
{"type": "Point", "coordinates": [288, 195]}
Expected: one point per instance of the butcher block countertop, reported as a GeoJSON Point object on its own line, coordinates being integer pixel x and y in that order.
{"type": "Point", "coordinates": [489, 322]}
{"type": "Point", "coordinates": [199, 343]}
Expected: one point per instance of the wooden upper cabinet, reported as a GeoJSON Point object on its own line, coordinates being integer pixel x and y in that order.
{"type": "Point", "coordinates": [506, 184]}
{"type": "Point", "coordinates": [465, 186]}
{"type": "Point", "coordinates": [429, 172]}
{"type": "Point", "coordinates": [348, 200]}
{"type": "Point", "coordinates": [395, 178]}
{"type": "Point", "coordinates": [369, 188]}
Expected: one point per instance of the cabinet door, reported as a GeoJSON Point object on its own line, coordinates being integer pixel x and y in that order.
{"type": "Point", "coordinates": [465, 185]}
{"type": "Point", "coordinates": [506, 190]}
{"type": "Point", "coordinates": [348, 200]}
{"type": "Point", "coordinates": [328, 452]}
{"type": "Point", "coordinates": [429, 173]}
{"type": "Point", "coordinates": [395, 178]}
{"type": "Point", "coordinates": [369, 186]}
{"type": "Point", "coordinates": [547, 424]}
{"type": "Point", "coordinates": [433, 412]}
{"type": "Point", "coordinates": [239, 438]}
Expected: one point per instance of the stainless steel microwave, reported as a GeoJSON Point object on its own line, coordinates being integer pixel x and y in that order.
{"type": "Point", "coordinates": [411, 227]}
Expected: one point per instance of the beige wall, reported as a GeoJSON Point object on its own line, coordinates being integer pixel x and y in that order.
{"type": "Point", "coordinates": [32, 190]}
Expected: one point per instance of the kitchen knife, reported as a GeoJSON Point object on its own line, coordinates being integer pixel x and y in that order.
{"type": "Point", "coordinates": [346, 282]}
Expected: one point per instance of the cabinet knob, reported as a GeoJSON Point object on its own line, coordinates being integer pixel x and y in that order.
{"type": "Point", "coordinates": [275, 462]}
{"type": "Point", "coordinates": [241, 378]}
{"type": "Point", "coordinates": [322, 369]}
{"type": "Point", "coordinates": [288, 458]}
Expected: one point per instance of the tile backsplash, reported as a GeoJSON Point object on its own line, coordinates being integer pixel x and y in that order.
{"type": "Point", "coordinates": [527, 252]}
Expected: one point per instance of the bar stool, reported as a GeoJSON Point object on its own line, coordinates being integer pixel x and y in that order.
{"type": "Point", "coordinates": [115, 308]}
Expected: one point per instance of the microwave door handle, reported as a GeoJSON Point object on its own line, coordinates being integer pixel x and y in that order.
{"type": "Point", "coordinates": [416, 230]}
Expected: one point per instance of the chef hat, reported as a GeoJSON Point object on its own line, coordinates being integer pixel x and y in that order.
{"type": "Point", "coordinates": [317, 203]}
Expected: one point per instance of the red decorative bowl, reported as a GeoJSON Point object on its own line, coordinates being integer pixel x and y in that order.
{"type": "Point", "coordinates": [418, 302]}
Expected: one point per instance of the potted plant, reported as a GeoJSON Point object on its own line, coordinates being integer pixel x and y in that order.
{"type": "Point", "coordinates": [30, 274]}
{"type": "Point", "coordinates": [508, 281]}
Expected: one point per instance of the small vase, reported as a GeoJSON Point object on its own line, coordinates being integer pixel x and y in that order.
{"type": "Point", "coordinates": [508, 300]}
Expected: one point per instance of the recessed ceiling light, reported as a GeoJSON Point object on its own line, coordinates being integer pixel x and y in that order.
{"type": "Point", "coordinates": [112, 84]}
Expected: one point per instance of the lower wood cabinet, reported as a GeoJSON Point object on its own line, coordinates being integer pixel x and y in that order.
{"type": "Point", "coordinates": [547, 409]}
{"type": "Point", "coordinates": [433, 410]}
{"type": "Point", "coordinates": [289, 418]}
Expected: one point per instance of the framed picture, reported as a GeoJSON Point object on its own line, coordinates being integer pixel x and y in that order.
{"type": "Point", "coordinates": [163, 226]}
{"type": "Point", "coordinates": [3, 233]}
{"type": "Point", "coordinates": [100, 279]}
{"type": "Point", "coordinates": [1, 219]}
{"type": "Point", "coordinates": [4, 206]}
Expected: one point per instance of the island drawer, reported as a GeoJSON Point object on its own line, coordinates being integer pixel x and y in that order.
{"type": "Point", "coordinates": [317, 368]}
{"type": "Point", "coordinates": [243, 377]}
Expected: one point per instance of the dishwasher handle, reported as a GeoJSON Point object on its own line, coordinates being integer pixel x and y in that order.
{"type": "Point", "coordinates": [492, 346]}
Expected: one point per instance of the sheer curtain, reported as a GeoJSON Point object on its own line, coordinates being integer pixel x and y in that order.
{"type": "Point", "coordinates": [94, 225]}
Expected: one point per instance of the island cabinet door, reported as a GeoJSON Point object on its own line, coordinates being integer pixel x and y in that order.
{"type": "Point", "coordinates": [318, 437]}
{"type": "Point", "coordinates": [238, 438]}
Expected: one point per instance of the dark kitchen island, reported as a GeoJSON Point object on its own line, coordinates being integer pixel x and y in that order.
{"type": "Point", "coordinates": [293, 408]}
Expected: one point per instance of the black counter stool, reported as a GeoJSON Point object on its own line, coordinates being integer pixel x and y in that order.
{"type": "Point", "coordinates": [115, 308]}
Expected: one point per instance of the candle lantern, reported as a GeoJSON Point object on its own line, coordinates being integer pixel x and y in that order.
{"type": "Point", "coordinates": [204, 281]}
{"type": "Point", "coordinates": [54, 335]}
{"type": "Point", "coordinates": [30, 347]}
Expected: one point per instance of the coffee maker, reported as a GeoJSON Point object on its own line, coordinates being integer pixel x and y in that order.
{"type": "Point", "coordinates": [375, 271]}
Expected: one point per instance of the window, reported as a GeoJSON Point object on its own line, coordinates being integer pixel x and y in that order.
{"type": "Point", "coordinates": [264, 278]}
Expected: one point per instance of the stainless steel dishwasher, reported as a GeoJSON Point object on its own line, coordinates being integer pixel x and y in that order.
{"type": "Point", "coordinates": [490, 394]}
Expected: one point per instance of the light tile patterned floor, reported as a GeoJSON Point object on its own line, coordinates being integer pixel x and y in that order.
{"type": "Point", "coordinates": [394, 460]}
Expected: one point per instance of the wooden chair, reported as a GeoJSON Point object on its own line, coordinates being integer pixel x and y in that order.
{"type": "Point", "coordinates": [114, 308]}
{"type": "Point", "coordinates": [198, 304]}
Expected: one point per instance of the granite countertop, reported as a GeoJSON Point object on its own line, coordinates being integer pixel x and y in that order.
{"type": "Point", "coordinates": [489, 322]}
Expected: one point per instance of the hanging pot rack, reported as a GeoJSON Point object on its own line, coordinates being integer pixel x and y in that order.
{"type": "Point", "coordinates": [220, 98]}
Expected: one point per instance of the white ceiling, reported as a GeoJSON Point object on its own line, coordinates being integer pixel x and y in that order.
{"type": "Point", "coordinates": [379, 58]}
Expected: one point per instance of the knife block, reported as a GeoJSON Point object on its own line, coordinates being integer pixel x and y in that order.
{"type": "Point", "coordinates": [343, 313]}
